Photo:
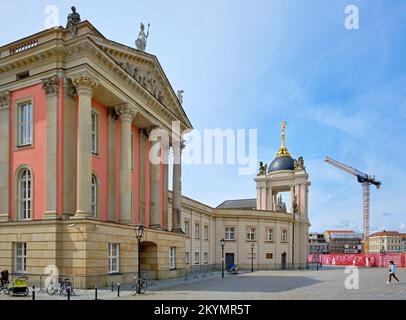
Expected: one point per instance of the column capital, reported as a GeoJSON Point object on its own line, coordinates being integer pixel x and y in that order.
{"type": "Point", "coordinates": [125, 111]}
{"type": "Point", "coordinates": [85, 82]}
{"type": "Point", "coordinates": [4, 100]}
{"type": "Point", "coordinates": [69, 88]}
{"type": "Point", "coordinates": [51, 85]}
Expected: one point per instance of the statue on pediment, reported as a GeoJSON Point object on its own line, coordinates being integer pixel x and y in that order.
{"type": "Point", "coordinates": [141, 42]}
{"type": "Point", "coordinates": [73, 21]}
{"type": "Point", "coordinates": [180, 96]}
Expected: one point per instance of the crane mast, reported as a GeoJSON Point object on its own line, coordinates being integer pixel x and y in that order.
{"type": "Point", "coordinates": [366, 182]}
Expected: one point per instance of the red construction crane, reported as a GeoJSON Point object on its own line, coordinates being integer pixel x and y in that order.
{"type": "Point", "coordinates": [366, 181]}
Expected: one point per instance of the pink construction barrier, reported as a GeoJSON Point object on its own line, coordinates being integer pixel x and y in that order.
{"type": "Point", "coordinates": [361, 260]}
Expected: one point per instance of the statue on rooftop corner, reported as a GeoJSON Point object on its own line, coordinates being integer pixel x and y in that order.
{"type": "Point", "coordinates": [262, 169]}
{"type": "Point", "coordinates": [141, 42]}
{"type": "Point", "coordinates": [299, 164]}
{"type": "Point", "coordinates": [73, 21]}
{"type": "Point", "coordinates": [180, 96]}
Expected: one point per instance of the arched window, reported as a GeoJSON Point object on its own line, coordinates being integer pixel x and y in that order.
{"type": "Point", "coordinates": [95, 206]}
{"type": "Point", "coordinates": [25, 195]}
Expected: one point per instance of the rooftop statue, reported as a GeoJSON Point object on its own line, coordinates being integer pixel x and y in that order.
{"type": "Point", "coordinates": [180, 96]}
{"type": "Point", "coordinates": [281, 206]}
{"type": "Point", "coordinates": [295, 207]}
{"type": "Point", "coordinates": [262, 169]}
{"type": "Point", "coordinates": [141, 42]}
{"type": "Point", "coordinates": [73, 21]}
{"type": "Point", "coordinates": [299, 164]}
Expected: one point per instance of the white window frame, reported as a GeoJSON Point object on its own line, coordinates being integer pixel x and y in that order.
{"type": "Point", "coordinates": [94, 196]}
{"type": "Point", "coordinates": [206, 232]}
{"type": "Point", "coordinates": [114, 255]}
{"type": "Point", "coordinates": [197, 257]}
{"type": "Point", "coordinates": [187, 228]}
{"type": "Point", "coordinates": [251, 234]}
{"type": "Point", "coordinates": [197, 230]}
{"type": "Point", "coordinates": [206, 258]}
{"type": "Point", "coordinates": [283, 234]}
{"type": "Point", "coordinates": [25, 194]}
{"type": "Point", "coordinates": [269, 235]}
{"type": "Point", "coordinates": [20, 253]}
{"type": "Point", "coordinates": [25, 124]}
{"type": "Point", "coordinates": [230, 233]}
{"type": "Point", "coordinates": [172, 258]}
{"type": "Point", "coordinates": [95, 133]}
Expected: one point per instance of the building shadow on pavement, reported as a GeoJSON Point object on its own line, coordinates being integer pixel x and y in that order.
{"type": "Point", "coordinates": [266, 284]}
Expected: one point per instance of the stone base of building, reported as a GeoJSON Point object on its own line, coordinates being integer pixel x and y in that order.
{"type": "Point", "coordinates": [80, 250]}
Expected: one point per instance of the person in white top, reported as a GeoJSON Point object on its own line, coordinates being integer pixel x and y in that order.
{"type": "Point", "coordinates": [392, 271]}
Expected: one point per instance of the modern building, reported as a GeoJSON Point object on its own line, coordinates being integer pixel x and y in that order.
{"type": "Point", "coordinates": [79, 117]}
{"type": "Point", "coordinates": [386, 242]}
{"type": "Point", "coordinates": [343, 241]}
{"type": "Point", "coordinates": [318, 243]}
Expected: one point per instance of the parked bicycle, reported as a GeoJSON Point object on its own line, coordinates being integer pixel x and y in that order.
{"type": "Point", "coordinates": [140, 285]}
{"type": "Point", "coordinates": [62, 287]}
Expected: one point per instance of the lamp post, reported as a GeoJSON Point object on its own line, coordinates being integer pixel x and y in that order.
{"type": "Point", "coordinates": [222, 243]}
{"type": "Point", "coordinates": [139, 232]}
{"type": "Point", "coordinates": [252, 257]}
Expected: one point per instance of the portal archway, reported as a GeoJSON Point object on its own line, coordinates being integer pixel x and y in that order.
{"type": "Point", "coordinates": [149, 259]}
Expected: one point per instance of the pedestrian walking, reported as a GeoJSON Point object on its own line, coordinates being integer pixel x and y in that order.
{"type": "Point", "coordinates": [392, 272]}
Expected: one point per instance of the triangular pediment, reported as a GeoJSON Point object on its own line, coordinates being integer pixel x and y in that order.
{"type": "Point", "coordinates": [147, 71]}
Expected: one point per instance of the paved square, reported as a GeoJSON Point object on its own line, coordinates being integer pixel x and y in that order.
{"type": "Point", "coordinates": [261, 285]}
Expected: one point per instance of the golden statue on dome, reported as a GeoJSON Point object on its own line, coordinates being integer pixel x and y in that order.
{"type": "Point", "coordinates": [283, 151]}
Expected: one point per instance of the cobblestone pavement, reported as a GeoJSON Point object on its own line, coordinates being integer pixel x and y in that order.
{"type": "Point", "coordinates": [263, 285]}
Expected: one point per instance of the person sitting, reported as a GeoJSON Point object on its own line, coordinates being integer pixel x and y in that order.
{"type": "Point", "coordinates": [234, 269]}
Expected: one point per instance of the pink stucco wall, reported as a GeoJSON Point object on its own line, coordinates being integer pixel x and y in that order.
{"type": "Point", "coordinates": [35, 156]}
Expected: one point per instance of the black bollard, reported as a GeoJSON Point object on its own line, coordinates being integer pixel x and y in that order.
{"type": "Point", "coordinates": [69, 293]}
{"type": "Point", "coordinates": [33, 293]}
{"type": "Point", "coordinates": [95, 294]}
{"type": "Point", "coordinates": [112, 286]}
{"type": "Point", "coordinates": [118, 289]}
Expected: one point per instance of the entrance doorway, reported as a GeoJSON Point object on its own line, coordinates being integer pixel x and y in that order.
{"type": "Point", "coordinates": [229, 260]}
{"type": "Point", "coordinates": [149, 259]}
{"type": "Point", "coordinates": [283, 261]}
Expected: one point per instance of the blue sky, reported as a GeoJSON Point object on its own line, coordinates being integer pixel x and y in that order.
{"type": "Point", "coordinates": [254, 64]}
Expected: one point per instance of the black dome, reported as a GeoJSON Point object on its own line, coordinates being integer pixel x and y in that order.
{"type": "Point", "coordinates": [282, 163]}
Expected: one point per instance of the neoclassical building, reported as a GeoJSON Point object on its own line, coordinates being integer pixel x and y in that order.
{"type": "Point", "coordinates": [78, 114]}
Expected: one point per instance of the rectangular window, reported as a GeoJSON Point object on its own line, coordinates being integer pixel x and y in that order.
{"type": "Point", "coordinates": [95, 133]}
{"type": "Point", "coordinates": [206, 258]}
{"type": "Point", "coordinates": [20, 254]}
{"type": "Point", "coordinates": [25, 124]}
{"type": "Point", "coordinates": [187, 258]}
{"type": "Point", "coordinates": [251, 234]}
{"type": "Point", "coordinates": [284, 236]}
{"type": "Point", "coordinates": [270, 235]}
{"type": "Point", "coordinates": [197, 231]}
{"type": "Point", "coordinates": [187, 229]}
{"type": "Point", "coordinates": [197, 257]}
{"type": "Point", "coordinates": [229, 233]}
{"type": "Point", "coordinates": [172, 256]}
{"type": "Point", "coordinates": [114, 257]}
{"type": "Point", "coordinates": [206, 233]}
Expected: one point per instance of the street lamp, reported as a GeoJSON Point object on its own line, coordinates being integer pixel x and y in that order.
{"type": "Point", "coordinates": [252, 257]}
{"type": "Point", "coordinates": [139, 232]}
{"type": "Point", "coordinates": [222, 243]}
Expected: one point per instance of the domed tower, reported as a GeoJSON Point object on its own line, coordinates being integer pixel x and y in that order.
{"type": "Point", "coordinates": [286, 174]}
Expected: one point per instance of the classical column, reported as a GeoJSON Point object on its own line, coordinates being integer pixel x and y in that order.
{"type": "Point", "coordinates": [142, 176]}
{"type": "Point", "coordinates": [177, 147]}
{"type": "Point", "coordinates": [155, 187]}
{"type": "Point", "coordinates": [4, 155]}
{"type": "Point", "coordinates": [165, 160]}
{"type": "Point", "coordinates": [84, 86]}
{"type": "Point", "coordinates": [69, 145]}
{"type": "Point", "coordinates": [112, 117]}
{"type": "Point", "coordinates": [51, 88]}
{"type": "Point", "coordinates": [126, 114]}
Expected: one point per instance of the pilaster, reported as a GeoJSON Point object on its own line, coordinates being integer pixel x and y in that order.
{"type": "Point", "coordinates": [4, 155]}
